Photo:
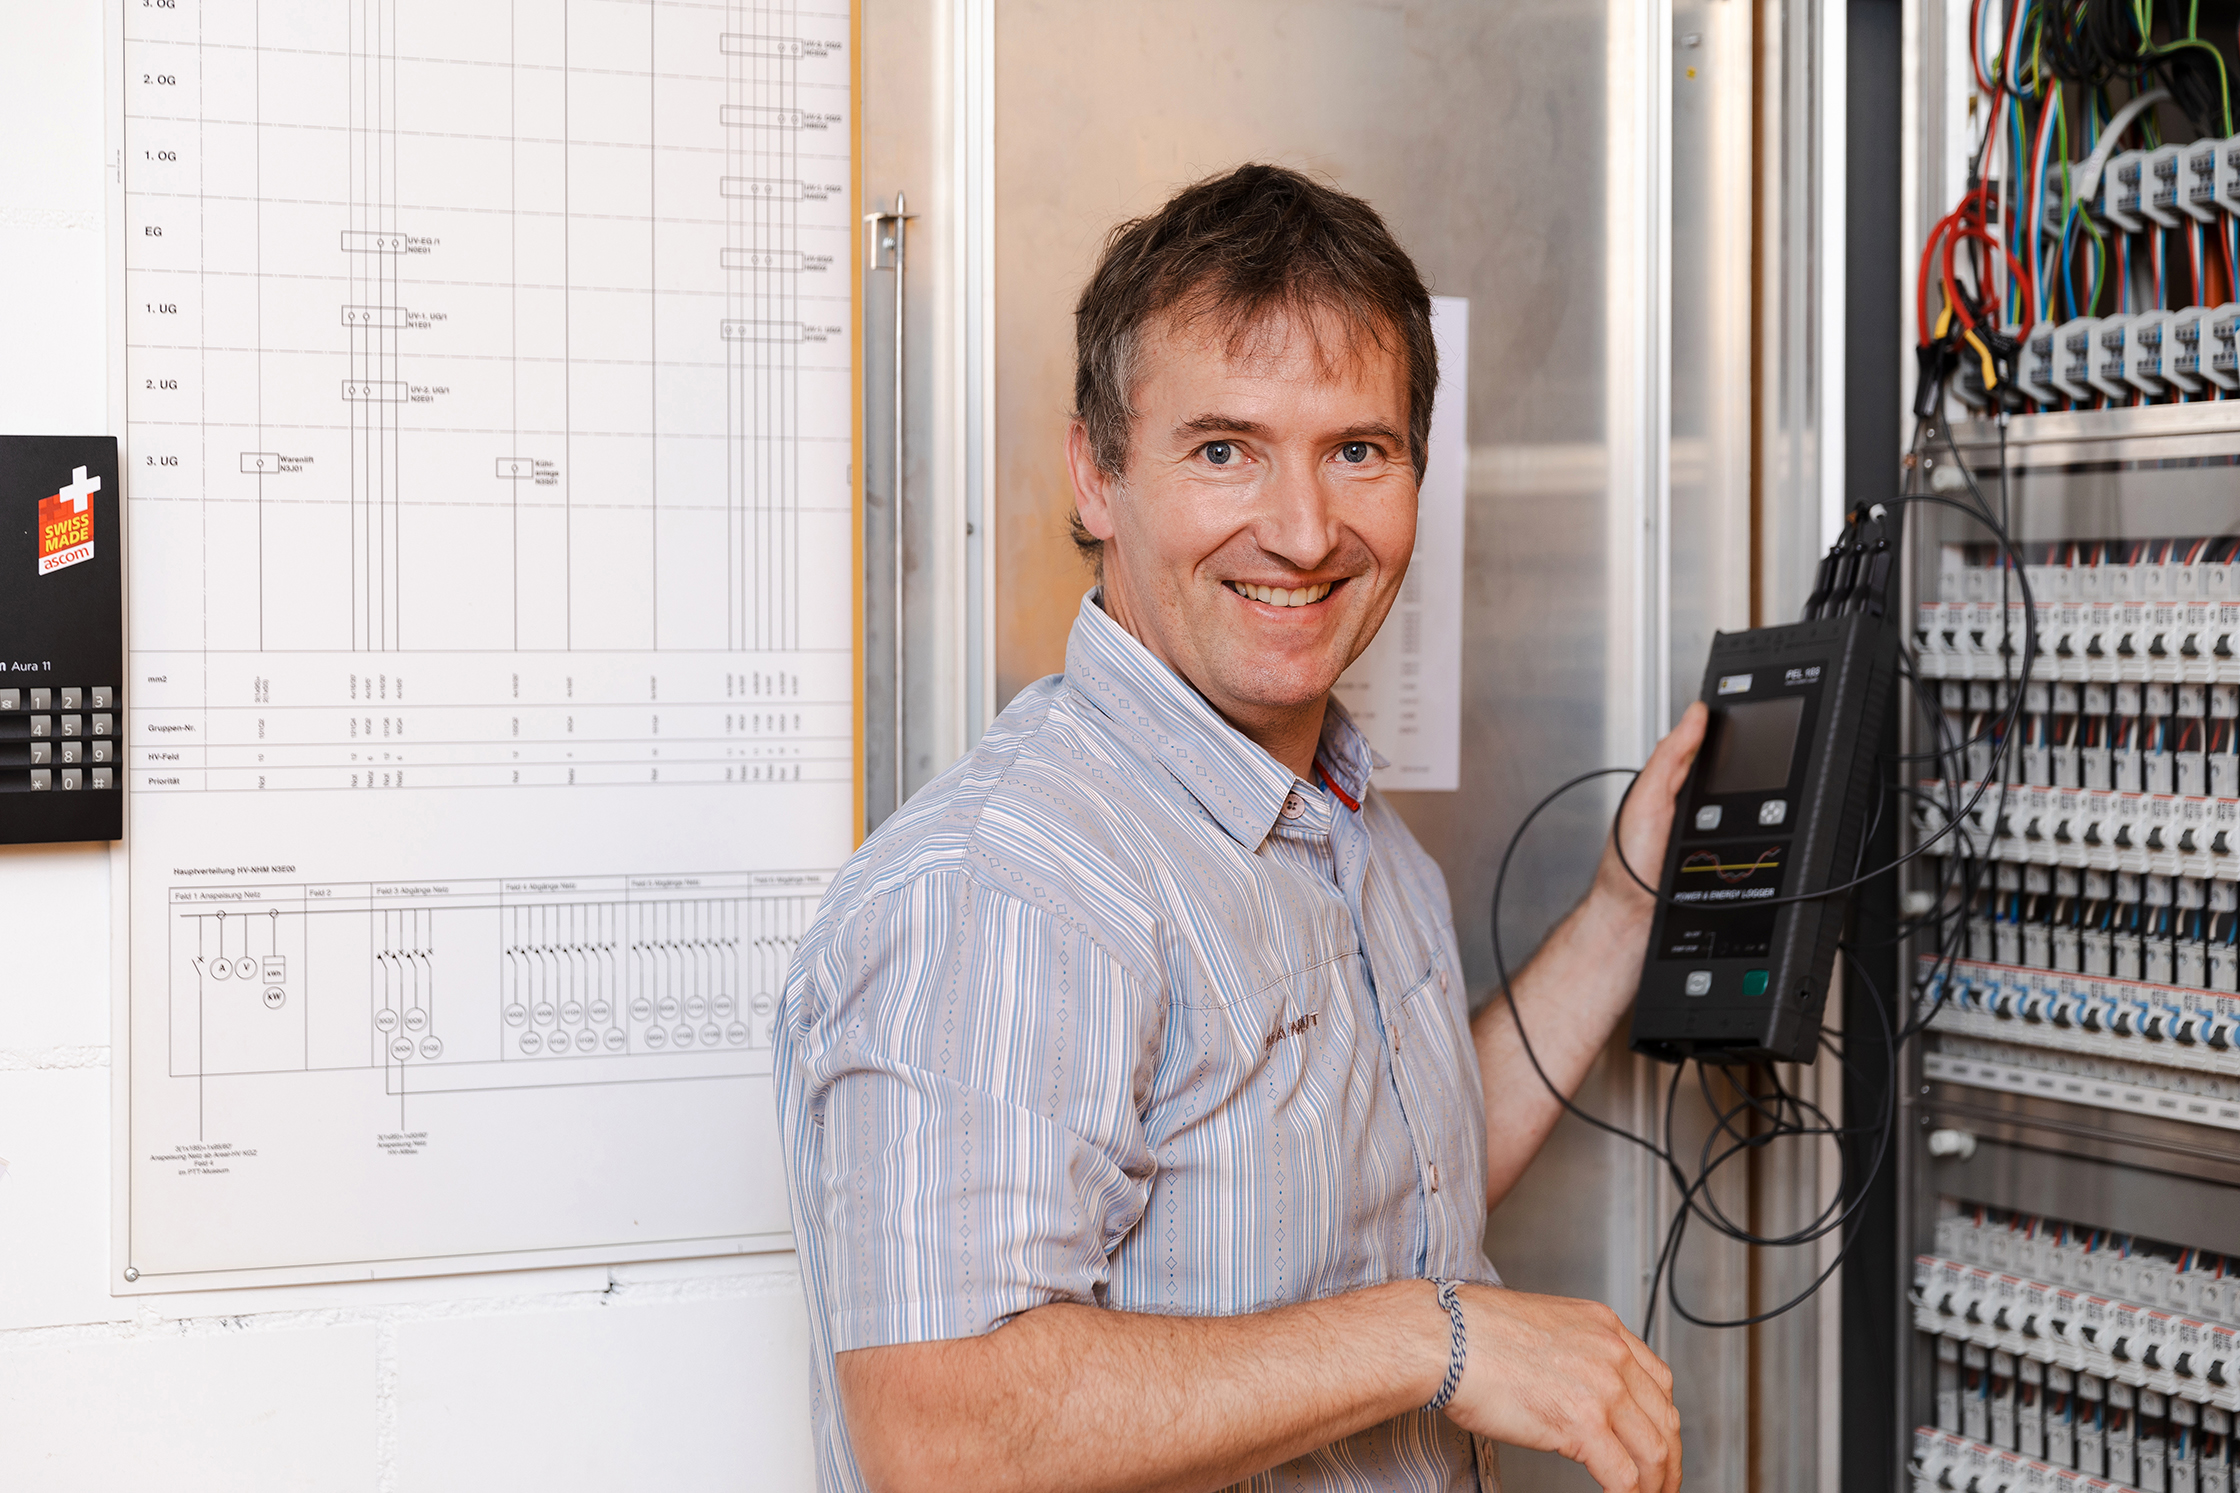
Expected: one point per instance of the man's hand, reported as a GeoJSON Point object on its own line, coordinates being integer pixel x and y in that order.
{"type": "Point", "coordinates": [1553, 1374]}
{"type": "Point", "coordinates": [1647, 822]}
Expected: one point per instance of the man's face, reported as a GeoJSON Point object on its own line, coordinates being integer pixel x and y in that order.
{"type": "Point", "coordinates": [1268, 510]}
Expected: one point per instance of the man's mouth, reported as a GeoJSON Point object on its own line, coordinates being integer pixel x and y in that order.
{"type": "Point", "coordinates": [1277, 596]}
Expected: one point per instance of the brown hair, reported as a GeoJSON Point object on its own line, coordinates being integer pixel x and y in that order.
{"type": "Point", "coordinates": [1235, 248]}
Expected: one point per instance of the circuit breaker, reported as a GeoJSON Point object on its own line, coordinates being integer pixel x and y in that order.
{"type": "Point", "coordinates": [61, 640]}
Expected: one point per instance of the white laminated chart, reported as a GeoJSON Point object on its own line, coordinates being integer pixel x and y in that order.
{"type": "Point", "coordinates": [489, 727]}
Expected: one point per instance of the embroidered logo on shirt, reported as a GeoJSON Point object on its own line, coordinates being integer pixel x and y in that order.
{"type": "Point", "coordinates": [1291, 1029]}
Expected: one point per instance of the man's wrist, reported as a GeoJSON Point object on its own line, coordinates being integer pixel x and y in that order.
{"type": "Point", "coordinates": [1458, 1344]}
{"type": "Point", "coordinates": [1616, 908]}
{"type": "Point", "coordinates": [1422, 1340]}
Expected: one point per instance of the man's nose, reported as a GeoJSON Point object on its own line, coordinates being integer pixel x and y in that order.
{"type": "Point", "coordinates": [1297, 521]}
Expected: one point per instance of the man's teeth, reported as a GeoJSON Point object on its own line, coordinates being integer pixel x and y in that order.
{"type": "Point", "coordinates": [1277, 596]}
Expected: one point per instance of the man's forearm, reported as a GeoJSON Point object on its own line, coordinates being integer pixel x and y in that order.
{"type": "Point", "coordinates": [1085, 1399]}
{"type": "Point", "coordinates": [1569, 998]}
{"type": "Point", "coordinates": [1580, 985]}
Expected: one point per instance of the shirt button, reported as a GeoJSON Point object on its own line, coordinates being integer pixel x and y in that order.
{"type": "Point", "coordinates": [1292, 807]}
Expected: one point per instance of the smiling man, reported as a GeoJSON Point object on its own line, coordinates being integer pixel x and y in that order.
{"type": "Point", "coordinates": [1138, 1131]}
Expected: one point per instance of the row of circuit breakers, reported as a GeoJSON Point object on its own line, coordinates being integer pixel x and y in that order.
{"type": "Point", "coordinates": [2070, 1358]}
{"type": "Point", "coordinates": [2149, 356]}
{"type": "Point", "coordinates": [2097, 959]}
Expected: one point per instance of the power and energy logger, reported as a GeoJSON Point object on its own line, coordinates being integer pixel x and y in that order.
{"type": "Point", "coordinates": [1774, 809]}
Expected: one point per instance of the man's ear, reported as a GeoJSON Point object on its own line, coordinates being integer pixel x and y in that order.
{"type": "Point", "coordinates": [1093, 487]}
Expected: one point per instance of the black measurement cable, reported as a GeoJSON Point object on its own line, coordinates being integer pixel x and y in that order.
{"type": "Point", "coordinates": [1788, 1116]}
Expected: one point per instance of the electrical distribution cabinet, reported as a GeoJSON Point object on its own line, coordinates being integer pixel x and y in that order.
{"type": "Point", "coordinates": [2070, 1184]}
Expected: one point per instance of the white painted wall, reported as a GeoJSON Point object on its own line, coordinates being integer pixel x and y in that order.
{"type": "Point", "coordinates": [674, 1377]}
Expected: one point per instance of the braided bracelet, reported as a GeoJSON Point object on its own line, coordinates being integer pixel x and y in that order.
{"type": "Point", "coordinates": [1458, 1348]}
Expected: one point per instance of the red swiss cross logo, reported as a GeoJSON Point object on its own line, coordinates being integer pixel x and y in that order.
{"type": "Point", "coordinates": [66, 524]}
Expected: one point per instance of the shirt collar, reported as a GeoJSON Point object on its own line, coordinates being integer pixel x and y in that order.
{"type": "Point", "coordinates": [1344, 754]}
{"type": "Point", "coordinates": [1240, 785]}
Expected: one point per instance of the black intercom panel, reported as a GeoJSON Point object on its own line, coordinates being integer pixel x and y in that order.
{"type": "Point", "coordinates": [1774, 807]}
{"type": "Point", "coordinates": [61, 640]}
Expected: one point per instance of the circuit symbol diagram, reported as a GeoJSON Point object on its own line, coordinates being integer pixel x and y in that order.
{"type": "Point", "coordinates": [447, 986]}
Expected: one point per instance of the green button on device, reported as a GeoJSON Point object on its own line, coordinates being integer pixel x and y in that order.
{"type": "Point", "coordinates": [1754, 982]}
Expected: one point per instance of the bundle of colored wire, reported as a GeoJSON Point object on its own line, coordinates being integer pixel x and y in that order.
{"type": "Point", "coordinates": [2030, 244]}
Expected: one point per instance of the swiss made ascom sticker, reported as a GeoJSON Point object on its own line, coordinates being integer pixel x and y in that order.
{"type": "Point", "coordinates": [66, 524]}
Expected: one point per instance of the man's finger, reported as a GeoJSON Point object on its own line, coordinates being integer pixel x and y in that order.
{"type": "Point", "coordinates": [1611, 1464]}
{"type": "Point", "coordinates": [1646, 1356]}
{"type": "Point", "coordinates": [1652, 1399]}
{"type": "Point", "coordinates": [1667, 1415]}
{"type": "Point", "coordinates": [1653, 1403]}
{"type": "Point", "coordinates": [1646, 1441]}
{"type": "Point", "coordinates": [1677, 752]}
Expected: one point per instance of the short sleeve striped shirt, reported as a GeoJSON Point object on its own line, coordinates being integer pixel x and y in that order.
{"type": "Point", "coordinates": [1119, 1011]}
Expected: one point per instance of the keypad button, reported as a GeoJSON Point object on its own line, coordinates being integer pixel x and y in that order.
{"type": "Point", "coordinates": [73, 698]}
{"type": "Point", "coordinates": [73, 725]}
{"type": "Point", "coordinates": [71, 751]}
{"type": "Point", "coordinates": [42, 699]}
{"type": "Point", "coordinates": [104, 725]}
{"type": "Point", "coordinates": [101, 697]}
{"type": "Point", "coordinates": [101, 751]}
{"type": "Point", "coordinates": [1708, 816]}
{"type": "Point", "coordinates": [42, 752]}
{"type": "Point", "coordinates": [1773, 811]}
{"type": "Point", "coordinates": [42, 779]}
{"type": "Point", "coordinates": [11, 699]}
{"type": "Point", "coordinates": [1699, 982]}
{"type": "Point", "coordinates": [101, 777]}
{"type": "Point", "coordinates": [41, 725]}
{"type": "Point", "coordinates": [73, 777]}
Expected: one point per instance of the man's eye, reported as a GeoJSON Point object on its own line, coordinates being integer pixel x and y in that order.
{"type": "Point", "coordinates": [1355, 452]}
{"type": "Point", "coordinates": [1219, 452]}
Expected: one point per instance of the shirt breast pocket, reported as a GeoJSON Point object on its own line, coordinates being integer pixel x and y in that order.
{"type": "Point", "coordinates": [1298, 1006]}
{"type": "Point", "coordinates": [1433, 983]}
{"type": "Point", "coordinates": [1305, 1008]}
{"type": "Point", "coordinates": [1307, 990]}
{"type": "Point", "coordinates": [1423, 962]}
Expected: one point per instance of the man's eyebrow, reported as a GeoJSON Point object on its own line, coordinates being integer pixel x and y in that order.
{"type": "Point", "coordinates": [1214, 424]}
{"type": "Point", "coordinates": [1219, 424]}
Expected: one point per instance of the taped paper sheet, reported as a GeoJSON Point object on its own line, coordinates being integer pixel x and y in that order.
{"type": "Point", "coordinates": [1405, 692]}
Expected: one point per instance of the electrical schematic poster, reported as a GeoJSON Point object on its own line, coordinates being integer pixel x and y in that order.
{"type": "Point", "coordinates": [489, 715]}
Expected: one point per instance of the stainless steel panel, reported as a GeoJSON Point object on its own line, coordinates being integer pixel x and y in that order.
{"type": "Point", "coordinates": [2035, 1158]}
{"type": "Point", "coordinates": [913, 119]}
{"type": "Point", "coordinates": [2158, 432]}
{"type": "Point", "coordinates": [1799, 326]}
{"type": "Point", "coordinates": [898, 109]}
{"type": "Point", "coordinates": [1710, 354]}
